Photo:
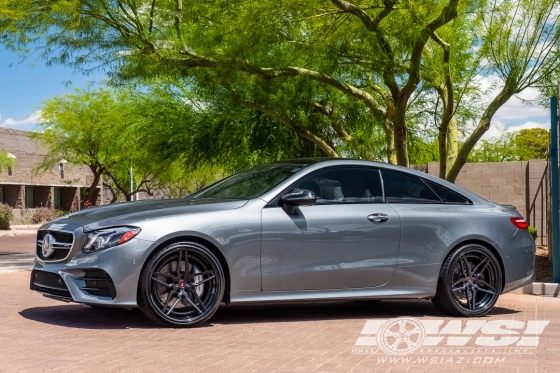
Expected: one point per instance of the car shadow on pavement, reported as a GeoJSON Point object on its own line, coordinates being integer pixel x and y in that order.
{"type": "Point", "coordinates": [82, 316]}
{"type": "Point", "coordinates": [333, 310]}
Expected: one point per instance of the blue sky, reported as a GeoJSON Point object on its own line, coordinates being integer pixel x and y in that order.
{"type": "Point", "coordinates": [25, 87]}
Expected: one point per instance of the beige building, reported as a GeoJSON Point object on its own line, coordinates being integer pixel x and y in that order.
{"type": "Point", "coordinates": [22, 187]}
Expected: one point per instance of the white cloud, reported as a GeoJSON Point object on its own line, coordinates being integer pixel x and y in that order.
{"type": "Point", "coordinates": [529, 125]}
{"type": "Point", "coordinates": [32, 119]}
{"type": "Point", "coordinates": [516, 108]}
{"type": "Point", "coordinates": [498, 128]}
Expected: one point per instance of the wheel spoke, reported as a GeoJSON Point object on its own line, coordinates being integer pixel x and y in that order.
{"type": "Point", "coordinates": [462, 288]}
{"type": "Point", "coordinates": [162, 283]}
{"type": "Point", "coordinates": [396, 342]}
{"type": "Point", "coordinates": [199, 300]}
{"type": "Point", "coordinates": [203, 281]}
{"type": "Point", "coordinates": [458, 282]}
{"type": "Point", "coordinates": [484, 261]}
{"type": "Point", "coordinates": [185, 275]}
{"type": "Point", "coordinates": [169, 296]}
{"type": "Point", "coordinates": [192, 304]}
{"type": "Point", "coordinates": [486, 284]}
{"type": "Point", "coordinates": [408, 342]}
{"type": "Point", "coordinates": [390, 333]}
{"type": "Point", "coordinates": [174, 305]}
{"type": "Point", "coordinates": [402, 326]}
{"type": "Point", "coordinates": [473, 299]}
{"type": "Point", "coordinates": [178, 270]}
{"type": "Point", "coordinates": [415, 330]}
{"type": "Point", "coordinates": [485, 291]}
{"type": "Point", "coordinates": [465, 263]}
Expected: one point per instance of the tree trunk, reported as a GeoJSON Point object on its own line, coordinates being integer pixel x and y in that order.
{"type": "Point", "coordinates": [401, 135]}
{"type": "Point", "coordinates": [92, 195]}
{"type": "Point", "coordinates": [481, 128]}
{"type": "Point", "coordinates": [452, 144]}
{"type": "Point", "coordinates": [390, 140]}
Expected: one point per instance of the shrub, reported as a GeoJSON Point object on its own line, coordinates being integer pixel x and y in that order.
{"type": "Point", "coordinates": [6, 216]}
{"type": "Point", "coordinates": [42, 215]}
{"type": "Point", "coordinates": [59, 213]}
{"type": "Point", "coordinates": [533, 232]}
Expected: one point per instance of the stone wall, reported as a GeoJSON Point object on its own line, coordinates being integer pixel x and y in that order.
{"type": "Point", "coordinates": [523, 184]}
{"type": "Point", "coordinates": [29, 154]}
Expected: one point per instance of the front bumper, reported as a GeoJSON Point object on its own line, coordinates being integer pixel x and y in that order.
{"type": "Point", "coordinates": [108, 278]}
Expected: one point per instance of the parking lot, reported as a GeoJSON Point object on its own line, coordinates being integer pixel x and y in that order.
{"type": "Point", "coordinates": [39, 334]}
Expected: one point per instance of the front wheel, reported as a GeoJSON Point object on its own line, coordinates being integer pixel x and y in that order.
{"type": "Point", "coordinates": [182, 285]}
{"type": "Point", "coordinates": [469, 283]}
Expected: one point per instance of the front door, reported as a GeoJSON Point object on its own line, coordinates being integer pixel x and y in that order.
{"type": "Point", "coordinates": [349, 239]}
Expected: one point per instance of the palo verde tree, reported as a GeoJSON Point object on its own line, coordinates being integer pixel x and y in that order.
{"type": "Point", "coordinates": [5, 162]}
{"type": "Point", "coordinates": [335, 73]}
{"type": "Point", "coordinates": [79, 127]}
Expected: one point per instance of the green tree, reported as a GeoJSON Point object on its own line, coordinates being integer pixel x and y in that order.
{"type": "Point", "coordinates": [524, 145]}
{"type": "Point", "coordinates": [532, 144]}
{"type": "Point", "coordinates": [501, 149]}
{"type": "Point", "coordinates": [5, 162]}
{"type": "Point", "coordinates": [79, 127]}
{"type": "Point", "coordinates": [327, 71]}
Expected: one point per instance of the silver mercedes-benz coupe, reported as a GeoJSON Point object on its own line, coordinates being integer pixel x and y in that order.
{"type": "Point", "coordinates": [305, 229]}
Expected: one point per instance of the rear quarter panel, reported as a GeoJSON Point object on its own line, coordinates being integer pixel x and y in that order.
{"type": "Point", "coordinates": [429, 232]}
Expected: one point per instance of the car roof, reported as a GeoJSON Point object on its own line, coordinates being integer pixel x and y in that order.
{"type": "Point", "coordinates": [313, 164]}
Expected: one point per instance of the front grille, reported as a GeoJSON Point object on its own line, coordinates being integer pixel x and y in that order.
{"type": "Point", "coordinates": [62, 245]}
{"type": "Point", "coordinates": [49, 283]}
{"type": "Point", "coordinates": [99, 283]}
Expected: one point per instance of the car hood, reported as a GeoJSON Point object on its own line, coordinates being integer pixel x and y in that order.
{"type": "Point", "coordinates": [131, 212]}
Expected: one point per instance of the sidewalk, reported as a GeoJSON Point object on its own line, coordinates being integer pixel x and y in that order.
{"type": "Point", "coordinates": [20, 230]}
{"type": "Point", "coordinates": [16, 262]}
{"type": "Point", "coordinates": [40, 334]}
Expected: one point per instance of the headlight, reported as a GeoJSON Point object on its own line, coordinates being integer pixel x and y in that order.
{"type": "Point", "coordinates": [106, 238]}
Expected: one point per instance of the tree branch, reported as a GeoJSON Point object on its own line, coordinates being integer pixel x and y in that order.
{"type": "Point", "coordinates": [322, 144]}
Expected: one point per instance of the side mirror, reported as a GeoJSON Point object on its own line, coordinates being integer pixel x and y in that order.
{"type": "Point", "coordinates": [297, 197]}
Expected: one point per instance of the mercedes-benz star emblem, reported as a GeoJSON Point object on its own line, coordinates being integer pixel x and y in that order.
{"type": "Point", "coordinates": [48, 248]}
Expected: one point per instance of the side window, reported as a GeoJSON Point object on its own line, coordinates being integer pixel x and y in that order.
{"type": "Point", "coordinates": [447, 195]}
{"type": "Point", "coordinates": [401, 188]}
{"type": "Point", "coordinates": [345, 185]}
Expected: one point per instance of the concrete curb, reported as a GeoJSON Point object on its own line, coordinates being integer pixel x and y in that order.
{"type": "Point", "coordinates": [19, 227]}
{"type": "Point", "coordinates": [545, 289]}
{"type": "Point", "coordinates": [17, 232]}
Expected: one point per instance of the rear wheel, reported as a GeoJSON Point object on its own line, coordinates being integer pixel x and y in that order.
{"type": "Point", "coordinates": [182, 285]}
{"type": "Point", "coordinates": [470, 282]}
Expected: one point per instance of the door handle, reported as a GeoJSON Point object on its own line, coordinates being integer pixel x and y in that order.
{"type": "Point", "coordinates": [378, 218]}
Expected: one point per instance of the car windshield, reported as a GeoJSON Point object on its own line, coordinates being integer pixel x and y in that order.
{"type": "Point", "coordinates": [250, 183]}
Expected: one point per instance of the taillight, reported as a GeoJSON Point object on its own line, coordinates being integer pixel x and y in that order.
{"type": "Point", "coordinates": [519, 223]}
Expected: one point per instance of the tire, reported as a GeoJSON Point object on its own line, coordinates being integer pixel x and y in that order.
{"type": "Point", "coordinates": [181, 286]}
{"type": "Point", "coordinates": [469, 283]}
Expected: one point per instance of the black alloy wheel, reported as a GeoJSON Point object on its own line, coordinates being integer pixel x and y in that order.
{"type": "Point", "coordinates": [470, 282]}
{"type": "Point", "coordinates": [182, 285]}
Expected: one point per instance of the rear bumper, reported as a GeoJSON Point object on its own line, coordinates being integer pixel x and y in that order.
{"type": "Point", "coordinates": [519, 283]}
{"type": "Point", "coordinates": [518, 257]}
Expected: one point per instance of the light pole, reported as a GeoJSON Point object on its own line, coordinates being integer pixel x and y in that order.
{"type": "Point", "coordinates": [131, 183]}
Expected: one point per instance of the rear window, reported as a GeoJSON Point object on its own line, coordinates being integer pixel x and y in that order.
{"type": "Point", "coordinates": [447, 195]}
{"type": "Point", "coordinates": [402, 188]}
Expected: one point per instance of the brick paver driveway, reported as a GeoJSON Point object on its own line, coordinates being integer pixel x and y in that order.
{"type": "Point", "coordinates": [39, 334]}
